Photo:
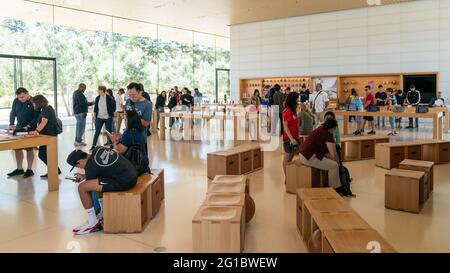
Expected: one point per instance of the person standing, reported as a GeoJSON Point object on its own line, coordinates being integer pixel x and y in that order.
{"type": "Point", "coordinates": [47, 125]}
{"type": "Point", "coordinates": [437, 101]}
{"type": "Point", "coordinates": [160, 104]}
{"type": "Point", "coordinates": [258, 96]}
{"type": "Point", "coordinates": [370, 101]}
{"type": "Point", "coordinates": [104, 109]}
{"type": "Point", "coordinates": [400, 97]}
{"type": "Point", "coordinates": [80, 110]}
{"type": "Point", "coordinates": [319, 103]}
{"type": "Point", "coordinates": [171, 105]}
{"type": "Point", "coordinates": [291, 134]}
{"type": "Point", "coordinates": [278, 100]}
{"type": "Point", "coordinates": [27, 116]}
{"type": "Point", "coordinates": [198, 96]}
{"type": "Point", "coordinates": [304, 94]}
{"type": "Point", "coordinates": [120, 110]}
{"type": "Point", "coordinates": [381, 98]}
{"type": "Point", "coordinates": [138, 103]}
{"type": "Point", "coordinates": [413, 98]}
{"type": "Point", "coordinates": [392, 101]}
{"type": "Point", "coordinates": [306, 120]}
{"type": "Point", "coordinates": [148, 98]}
{"type": "Point", "coordinates": [187, 99]}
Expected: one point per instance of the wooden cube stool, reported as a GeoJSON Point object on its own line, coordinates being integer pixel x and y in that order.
{"type": "Point", "coordinates": [302, 176]}
{"type": "Point", "coordinates": [218, 229]}
{"type": "Point", "coordinates": [226, 188]}
{"type": "Point", "coordinates": [354, 241]}
{"type": "Point", "coordinates": [232, 179]}
{"type": "Point", "coordinates": [422, 166]}
{"type": "Point", "coordinates": [405, 190]}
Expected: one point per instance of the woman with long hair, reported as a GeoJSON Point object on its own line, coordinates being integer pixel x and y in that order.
{"type": "Point", "coordinates": [47, 125]}
{"type": "Point", "coordinates": [160, 104]}
{"type": "Point", "coordinates": [291, 134]}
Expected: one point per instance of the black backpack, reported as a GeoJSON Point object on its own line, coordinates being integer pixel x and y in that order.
{"type": "Point", "coordinates": [136, 157]}
{"type": "Point", "coordinates": [344, 175]}
{"type": "Point", "coordinates": [59, 126]}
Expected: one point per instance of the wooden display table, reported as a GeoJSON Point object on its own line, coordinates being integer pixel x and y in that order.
{"type": "Point", "coordinates": [354, 241]}
{"type": "Point", "coordinates": [130, 211]}
{"type": "Point", "coordinates": [23, 142]}
{"type": "Point", "coordinates": [436, 116]}
{"type": "Point", "coordinates": [389, 155]}
{"type": "Point", "coordinates": [421, 166]}
{"type": "Point", "coordinates": [235, 161]}
{"type": "Point", "coordinates": [405, 190]}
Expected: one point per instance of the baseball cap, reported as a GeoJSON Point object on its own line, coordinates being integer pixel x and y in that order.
{"type": "Point", "coordinates": [74, 157]}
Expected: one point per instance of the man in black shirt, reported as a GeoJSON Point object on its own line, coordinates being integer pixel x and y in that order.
{"type": "Point", "coordinates": [413, 98]}
{"type": "Point", "coordinates": [80, 110]}
{"type": "Point", "coordinates": [106, 171]}
{"type": "Point", "coordinates": [23, 110]}
{"type": "Point", "coordinates": [380, 98]}
{"type": "Point", "coordinates": [187, 99]}
{"type": "Point", "coordinates": [304, 94]}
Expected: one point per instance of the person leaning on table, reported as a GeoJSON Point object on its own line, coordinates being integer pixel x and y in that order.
{"type": "Point", "coordinates": [319, 151]}
{"type": "Point", "coordinates": [23, 110]}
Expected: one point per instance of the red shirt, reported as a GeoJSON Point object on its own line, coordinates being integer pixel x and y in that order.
{"type": "Point", "coordinates": [315, 144]}
{"type": "Point", "coordinates": [371, 99]}
{"type": "Point", "coordinates": [293, 123]}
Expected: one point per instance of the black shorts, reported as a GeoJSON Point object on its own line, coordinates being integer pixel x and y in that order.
{"type": "Point", "coordinates": [113, 185]}
{"type": "Point", "coordinates": [368, 118]}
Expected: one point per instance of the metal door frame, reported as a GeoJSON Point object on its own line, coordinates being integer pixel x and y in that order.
{"type": "Point", "coordinates": [217, 81]}
{"type": "Point", "coordinates": [18, 62]}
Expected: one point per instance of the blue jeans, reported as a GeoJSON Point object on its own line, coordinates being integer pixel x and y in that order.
{"type": "Point", "coordinates": [98, 129]}
{"type": "Point", "coordinates": [392, 123]}
{"type": "Point", "coordinates": [81, 127]}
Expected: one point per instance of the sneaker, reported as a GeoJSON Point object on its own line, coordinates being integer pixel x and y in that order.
{"type": "Point", "coordinates": [46, 175]}
{"type": "Point", "coordinates": [390, 134]}
{"type": "Point", "coordinates": [82, 144]}
{"type": "Point", "coordinates": [409, 127]}
{"type": "Point", "coordinates": [362, 130]}
{"type": "Point", "coordinates": [371, 132]}
{"type": "Point", "coordinates": [357, 133]}
{"type": "Point", "coordinates": [100, 216]}
{"type": "Point", "coordinates": [28, 173]}
{"type": "Point", "coordinates": [15, 173]}
{"type": "Point", "coordinates": [86, 228]}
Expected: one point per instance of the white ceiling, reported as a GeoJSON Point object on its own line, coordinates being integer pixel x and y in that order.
{"type": "Point", "coordinates": [210, 16]}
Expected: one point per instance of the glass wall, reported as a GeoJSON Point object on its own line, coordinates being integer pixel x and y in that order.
{"type": "Point", "coordinates": [104, 50]}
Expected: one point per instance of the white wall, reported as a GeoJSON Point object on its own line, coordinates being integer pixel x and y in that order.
{"type": "Point", "coordinates": [408, 37]}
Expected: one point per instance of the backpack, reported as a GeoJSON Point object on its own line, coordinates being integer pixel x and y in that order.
{"type": "Point", "coordinates": [136, 157]}
{"type": "Point", "coordinates": [59, 126]}
{"type": "Point", "coordinates": [344, 175]}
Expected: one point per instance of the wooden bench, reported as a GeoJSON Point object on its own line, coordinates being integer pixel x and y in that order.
{"type": "Point", "coordinates": [235, 161]}
{"type": "Point", "coordinates": [130, 211]}
{"type": "Point", "coordinates": [405, 190]}
{"type": "Point", "coordinates": [322, 211]}
{"type": "Point", "coordinates": [302, 176]}
{"type": "Point", "coordinates": [389, 155]}
{"type": "Point", "coordinates": [357, 147]}
{"type": "Point", "coordinates": [355, 241]}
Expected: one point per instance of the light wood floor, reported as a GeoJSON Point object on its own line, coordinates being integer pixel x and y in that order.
{"type": "Point", "coordinates": [34, 220]}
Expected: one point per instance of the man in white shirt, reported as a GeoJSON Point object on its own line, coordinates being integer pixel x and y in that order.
{"type": "Point", "coordinates": [319, 103]}
{"type": "Point", "coordinates": [119, 114]}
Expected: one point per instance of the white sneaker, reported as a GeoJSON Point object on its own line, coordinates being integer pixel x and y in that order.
{"type": "Point", "coordinates": [86, 228]}
{"type": "Point", "coordinates": [100, 217]}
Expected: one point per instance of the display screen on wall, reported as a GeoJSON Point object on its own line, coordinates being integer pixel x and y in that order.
{"type": "Point", "coordinates": [426, 84]}
{"type": "Point", "coordinates": [329, 85]}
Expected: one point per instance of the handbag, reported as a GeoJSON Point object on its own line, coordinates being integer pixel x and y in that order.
{"type": "Point", "coordinates": [372, 108]}
{"type": "Point", "coordinates": [291, 148]}
{"type": "Point", "coordinates": [422, 109]}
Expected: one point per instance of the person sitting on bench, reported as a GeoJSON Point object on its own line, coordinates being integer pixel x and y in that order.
{"type": "Point", "coordinates": [106, 171]}
{"type": "Point", "coordinates": [319, 151]}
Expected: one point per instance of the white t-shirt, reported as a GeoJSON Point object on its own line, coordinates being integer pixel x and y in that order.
{"type": "Point", "coordinates": [439, 102]}
{"type": "Point", "coordinates": [119, 103]}
{"type": "Point", "coordinates": [322, 98]}
{"type": "Point", "coordinates": [102, 108]}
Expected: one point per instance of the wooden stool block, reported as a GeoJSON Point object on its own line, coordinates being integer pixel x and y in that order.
{"type": "Point", "coordinates": [218, 230]}
{"type": "Point", "coordinates": [226, 188]}
{"type": "Point", "coordinates": [422, 166]}
{"type": "Point", "coordinates": [232, 179]}
{"type": "Point", "coordinates": [405, 190]}
{"type": "Point", "coordinates": [444, 153]}
{"type": "Point", "coordinates": [224, 199]}
{"type": "Point", "coordinates": [130, 211]}
{"type": "Point", "coordinates": [354, 241]}
{"type": "Point", "coordinates": [301, 176]}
